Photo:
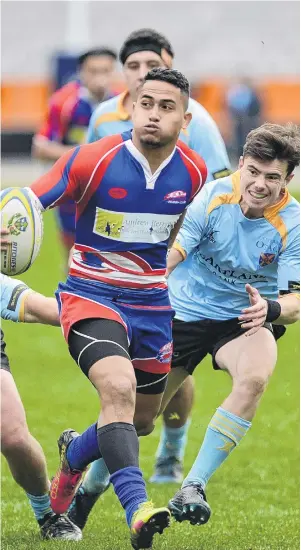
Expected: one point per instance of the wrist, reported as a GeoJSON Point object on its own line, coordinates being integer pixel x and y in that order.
{"type": "Point", "coordinates": [273, 311]}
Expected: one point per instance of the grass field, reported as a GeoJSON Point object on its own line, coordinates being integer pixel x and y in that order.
{"type": "Point", "coordinates": [254, 496]}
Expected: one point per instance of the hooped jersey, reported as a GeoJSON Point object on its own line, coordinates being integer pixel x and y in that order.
{"type": "Point", "coordinates": [202, 134]}
{"type": "Point", "coordinates": [224, 250]}
{"type": "Point", "coordinates": [124, 213]}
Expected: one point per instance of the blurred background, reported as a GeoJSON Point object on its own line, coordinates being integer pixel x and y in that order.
{"type": "Point", "coordinates": [242, 59]}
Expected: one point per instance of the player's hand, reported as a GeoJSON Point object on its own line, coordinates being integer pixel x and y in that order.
{"type": "Point", "coordinates": [3, 241]}
{"type": "Point", "coordinates": [254, 316]}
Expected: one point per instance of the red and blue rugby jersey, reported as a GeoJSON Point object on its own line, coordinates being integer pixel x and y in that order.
{"type": "Point", "coordinates": [124, 213]}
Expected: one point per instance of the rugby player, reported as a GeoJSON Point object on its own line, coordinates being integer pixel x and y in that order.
{"type": "Point", "coordinates": [68, 117]}
{"type": "Point", "coordinates": [22, 451]}
{"type": "Point", "coordinates": [239, 243]}
{"type": "Point", "coordinates": [143, 50]}
{"type": "Point", "coordinates": [131, 192]}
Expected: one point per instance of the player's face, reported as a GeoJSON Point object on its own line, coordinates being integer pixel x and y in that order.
{"type": "Point", "coordinates": [262, 183]}
{"type": "Point", "coordinates": [137, 65]}
{"type": "Point", "coordinates": [159, 114]}
{"type": "Point", "coordinates": [96, 74]}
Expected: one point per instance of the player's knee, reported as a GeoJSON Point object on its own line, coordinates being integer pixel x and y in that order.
{"type": "Point", "coordinates": [253, 385]}
{"type": "Point", "coordinates": [144, 424]}
{"type": "Point", "coordinates": [14, 440]}
{"type": "Point", "coordinates": [119, 390]}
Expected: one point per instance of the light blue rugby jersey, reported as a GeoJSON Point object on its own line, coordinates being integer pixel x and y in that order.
{"type": "Point", "coordinates": [225, 250]}
{"type": "Point", "coordinates": [202, 134]}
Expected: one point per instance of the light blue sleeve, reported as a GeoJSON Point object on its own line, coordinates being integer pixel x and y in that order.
{"type": "Point", "coordinates": [289, 264]}
{"type": "Point", "coordinates": [206, 140]}
{"type": "Point", "coordinates": [192, 229]}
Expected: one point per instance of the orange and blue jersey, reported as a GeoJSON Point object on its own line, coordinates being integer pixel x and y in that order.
{"type": "Point", "coordinates": [124, 217]}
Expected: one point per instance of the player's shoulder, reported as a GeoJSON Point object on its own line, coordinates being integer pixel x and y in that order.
{"type": "Point", "coordinates": [200, 114]}
{"type": "Point", "coordinates": [101, 147]}
{"type": "Point", "coordinates": [60, 96]}
{"type": "Point", "coordinates": [192, 156]}
{"type": "Point", "coordinates": [107, 110]}
{"type": "Point", "coordinates": [290, 212]}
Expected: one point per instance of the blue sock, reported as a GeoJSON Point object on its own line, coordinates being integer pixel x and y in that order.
{"type": "Point", "coordinates": [129, 487]}
{"type": "Point", "coordinates": [84, 449]}
{"type": "Point", "coordinates": [40, 505]}
{"type": "Point", "coordinates": [223, 434]}
{"type": "Point", "coordinates": [97, 478]}
{"type": "Point", "coordinates": [173, 441]}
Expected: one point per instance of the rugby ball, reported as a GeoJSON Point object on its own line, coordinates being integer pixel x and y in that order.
{"type": "Point", "coordinates": [21, 216]}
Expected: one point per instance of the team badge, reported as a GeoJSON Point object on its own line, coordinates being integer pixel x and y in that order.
{"type": "Point", "coordinates": [165, 353]}
{"type": "Point", "coordinates": [266, 258]}
{"type": "Point", "coordinates": [17, 224]}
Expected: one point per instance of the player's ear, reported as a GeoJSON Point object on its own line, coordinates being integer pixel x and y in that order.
{"type": "Point", "coordinates": [240, 162]}
{"type": "Point", "coordinates": [134, 105]}
{"type": "Point", "coordinates": [289, 178]}
{"type": "Point", "coordinates": [187, 120]}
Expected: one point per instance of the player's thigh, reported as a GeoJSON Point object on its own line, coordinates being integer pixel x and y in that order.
{"type": "Point", "coordinates": [249, 356]}
{"type": "Point", "coordinates": [13, 417]}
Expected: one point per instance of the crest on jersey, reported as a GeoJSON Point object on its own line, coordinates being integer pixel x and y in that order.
{"type": "Point", "coordinates": [176, 197]}
{"type": "Point", "coordinates": [17, 224]}
{"type": "Point", "coordinates": [165, 353]}
{"type": "Point", "coordinates": [266, 258]}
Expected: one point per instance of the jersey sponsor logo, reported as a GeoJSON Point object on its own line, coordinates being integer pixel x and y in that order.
{"type": "Point", "coordinates": [133, 227]}
{"type": "Point", "coordinates": [221, 173]}
{"type": "Point", "coordinates": [266, 258]}
{"type": "Point", "coordinates": [176, 197]}
{"type": "Point", "coordinates": [117, 192]}
{"type": "Point", "coordinates": [165, 353]}
{"type": "Point", "coordinates": [232, 276]}
{"type": "Point", "coordinates": [294, 286]}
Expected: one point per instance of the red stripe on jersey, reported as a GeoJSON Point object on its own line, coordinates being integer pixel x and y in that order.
{"type": "Point", "coordinates": [195, 166]}
{"type": "Point", "coordinates": [75, 308]}
{"type": "Point", "coordinates": [107, 148]}
{"type": "Point", "coordinates": [151, 365]}
{"type": "Point", "coordinates": [114, 282]}
{"type": "Point", "coordinates": [123, 269]}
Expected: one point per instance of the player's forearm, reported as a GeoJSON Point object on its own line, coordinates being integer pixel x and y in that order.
{"type": "Point", "coordinates": [290, 309]}
{"type": "Point", "coordinates": [45, 149]}
{"type": "Point", "coordinates": [39, 309]}
{"type": "Point", "coordinates": [173, 259]}
{"type": "Point", "coordinates": [175, 230]}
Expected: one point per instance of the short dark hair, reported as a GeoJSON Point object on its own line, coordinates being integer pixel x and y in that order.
{"type": "Point", "coordinates": [143, 38]}
{"type": "Point", "coordinates": [95, 53]}
{"type": "Point", "coordinates": [274, 141]}
{"type": "Point", "coordinates": [172, 76]}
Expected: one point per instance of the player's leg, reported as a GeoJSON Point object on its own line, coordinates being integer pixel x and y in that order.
{"type": "Point", "coordinates": [177, 402]}
{"type": "Point", "coordinates": [26, 459]}
{"type": "Point", "coordinates": [176, 421]}
{"type": "Point", "coordinates": [105, 360]}
{"type": "Point", "coordinates": [250, 362]}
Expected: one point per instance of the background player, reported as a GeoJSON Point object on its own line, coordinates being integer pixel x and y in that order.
{"type": "Point", "coordinates": [241, 229]}
{"type": "Point", "coordinates": [68, 117]}
{"type": "Point", "coordinates": [22, 451]}
{"type": "Point", "coordinates": [143, 50]}
{"type": "Point", "coordinates": [116, 285]}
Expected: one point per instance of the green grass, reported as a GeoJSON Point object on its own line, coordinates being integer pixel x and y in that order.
{"type": "Point", "coordinates": [254, 496]}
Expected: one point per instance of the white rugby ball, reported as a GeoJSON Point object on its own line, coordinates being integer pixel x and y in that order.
{"type": "Point", "coordinates": [21, 215]}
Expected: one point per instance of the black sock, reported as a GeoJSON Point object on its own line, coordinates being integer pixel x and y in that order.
{"type": "Point", "coordinates": [119, 445]}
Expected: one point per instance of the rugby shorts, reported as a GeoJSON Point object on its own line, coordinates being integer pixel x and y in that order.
{"type": "Point", "coordinates": [193, 340]}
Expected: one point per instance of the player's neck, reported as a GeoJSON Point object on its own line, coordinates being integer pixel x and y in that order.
{"type": "Point", "coordinates": [154, 156]}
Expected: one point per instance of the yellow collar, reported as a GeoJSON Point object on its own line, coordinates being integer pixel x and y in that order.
{"type": "Point", "coordinates": [122, 113]}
